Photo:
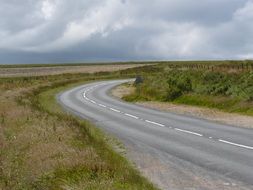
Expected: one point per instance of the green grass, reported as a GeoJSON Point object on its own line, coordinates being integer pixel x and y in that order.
{"type": "Point", "coordinates": [118, 172]}
{"type": "Point", "coordinates": [226, 104]}
{"type": "Point", "coordinates": [42, 147]}
{"type": "Point", "coordinates": [227, 91]}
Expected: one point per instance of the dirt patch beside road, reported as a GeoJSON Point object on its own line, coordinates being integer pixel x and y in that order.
{"type": "Point", "coordinates": [54, 70]}
{"type": "Point", "coordinates": [122, 90]}
{"type": "Point", "coordinates": [200, 112]}
{"type": "Point", "coordinates": [205, 113]}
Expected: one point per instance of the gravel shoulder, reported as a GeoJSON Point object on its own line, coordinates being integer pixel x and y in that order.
{"type": "Point", "coordinates": [200, 112]}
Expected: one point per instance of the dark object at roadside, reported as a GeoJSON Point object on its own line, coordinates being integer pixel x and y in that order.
{"type": "Point", "coordinates": [138, 80]}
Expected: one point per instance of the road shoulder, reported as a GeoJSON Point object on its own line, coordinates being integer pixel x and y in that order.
{"type": "Point", "coordinates": [195, 111]}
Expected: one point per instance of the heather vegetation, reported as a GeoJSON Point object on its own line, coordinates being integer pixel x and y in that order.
{"type": "Point", "coordinates": [230, 91]}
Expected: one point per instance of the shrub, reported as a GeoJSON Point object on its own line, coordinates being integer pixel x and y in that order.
{"type": "Point", "coordinates": [173, 93]}
{"type": "Point", "coordinates": [171, 84]}
{"type": "Point", "coordinates": [138, 80]}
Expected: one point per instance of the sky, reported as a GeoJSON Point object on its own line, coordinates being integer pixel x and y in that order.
{"type": "Point", "coordinates": [52, 31]}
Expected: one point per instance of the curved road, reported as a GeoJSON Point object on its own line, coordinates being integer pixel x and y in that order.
{"type": "Point", "coordinates": [174, 151]}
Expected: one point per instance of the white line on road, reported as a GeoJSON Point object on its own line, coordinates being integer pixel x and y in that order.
{"type": "Point", "coordinates": [235, 144]}
{"type": "Point", "coordinates": [114, 110]}
{"type": "Point", "coordinates": [190, 132]}
{"type": "Point", "coordinates": [133, 116]}
{"type": "Point", "coordinates": [102, 105]}
{"type": "Point", "coordinates": [161, 125]}
{"type": "Point", "coordinates": [152, 122]}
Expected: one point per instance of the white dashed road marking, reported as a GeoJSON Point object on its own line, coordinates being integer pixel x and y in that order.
{"type": "Point", "coordinates": [133, 116]}
{"type": "Point", "coordinates": [152, 122]}
{"type": "Point", "coordinates": [189, 132]}
{"type": "Point", "coordinates": [235, 144]}
{"type": "Point", "coordinates": [102, 105]}
{"type": "Point", "coordinates": [114, 110]}
{"type": "Point", "coordinates": [161, 125]}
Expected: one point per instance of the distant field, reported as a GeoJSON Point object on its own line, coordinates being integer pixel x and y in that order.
{"type": "Point", "coordinates": [73, 64]}
{"type": "Point", "coordinates": [55, 70]}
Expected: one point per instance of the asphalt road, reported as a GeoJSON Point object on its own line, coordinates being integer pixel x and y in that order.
{"type": "Point", "coordinates": [174, 151]}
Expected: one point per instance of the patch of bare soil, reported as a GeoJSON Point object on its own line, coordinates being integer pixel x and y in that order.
{"type": "Point", "coordinates": [122, 90]}
{"type": "Point", "coordinates": [200, 112]}
{"type": "Point", "coordinates": [40, 71]}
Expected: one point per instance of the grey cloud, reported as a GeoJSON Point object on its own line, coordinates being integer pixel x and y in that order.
{"type": "Point", "coordinates": [64, 31]}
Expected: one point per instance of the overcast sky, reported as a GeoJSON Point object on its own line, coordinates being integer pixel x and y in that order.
{"type": "Point", "coordinates": [38, 31]}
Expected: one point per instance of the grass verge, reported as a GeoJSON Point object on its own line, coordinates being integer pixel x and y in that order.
{"type": "Point", "coordinates": [117, 173]}
{"type": "Point", "coordinates": [42, 147]}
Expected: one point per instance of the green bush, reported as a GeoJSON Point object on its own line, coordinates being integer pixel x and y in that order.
{"type": "Point", "coordinates": [231, 89]}
{"type": "Point", "coordinates": [173, 93]}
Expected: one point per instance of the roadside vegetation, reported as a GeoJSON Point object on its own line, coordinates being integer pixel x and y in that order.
{"type": "Point", "coordinates": [42, 147]}
{"type": "Point", "coordinates": [229, 90]}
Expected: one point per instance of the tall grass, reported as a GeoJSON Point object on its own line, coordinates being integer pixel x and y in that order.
{"type": "Point", "coordinates": [42, 147]}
